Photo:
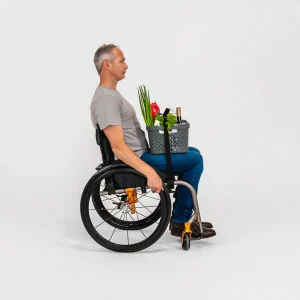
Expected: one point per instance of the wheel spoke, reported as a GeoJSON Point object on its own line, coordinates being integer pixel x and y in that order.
{"type": "Point", "coordinates": [137, 225]}
{"type": "Point", "coordinates": [127, 231]}
{"type": "Point", "coordinates": [116, 227]}
{"type": "Point", "coordinates": [147, 217]}
{"type": "Point", "coordinates": [112, 234]}
{"type": "Point", "coordinates": [143, 195]}
{"type": "Point", "coordinates": [101, 208]}
{"type": "Point", "coordinates": [145, 207]}
{"type": "Point", "coordinates": [105, 197]}
{"type": "Point", "coordinates": [108, 218]}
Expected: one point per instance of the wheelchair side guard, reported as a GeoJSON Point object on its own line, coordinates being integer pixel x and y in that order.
{"type": "Point", "coordinates": [101, 170]}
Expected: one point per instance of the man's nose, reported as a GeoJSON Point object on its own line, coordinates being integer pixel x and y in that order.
{"type": "Point", "coordinates": [126, 66]}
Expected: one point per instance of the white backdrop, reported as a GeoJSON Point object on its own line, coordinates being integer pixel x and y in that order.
{"type": "Point", "coordinates": [233, 66]}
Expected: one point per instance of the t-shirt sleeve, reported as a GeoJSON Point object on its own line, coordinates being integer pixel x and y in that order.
{"type": "Point", "coordinates": [107, 111]}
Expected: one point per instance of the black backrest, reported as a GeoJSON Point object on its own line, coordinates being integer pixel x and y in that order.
{"type": "Point", "coordinates": [120, 181]}
{"type": "Point", "coordinates": [106, 151]}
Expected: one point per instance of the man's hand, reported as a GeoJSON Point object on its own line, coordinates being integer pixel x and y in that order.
{"type": "Point", "coordinates": [154, 182]}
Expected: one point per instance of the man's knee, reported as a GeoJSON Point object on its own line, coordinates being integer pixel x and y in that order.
{"type": "Point", "coordinates": [202, 162]}
{"type": "Point", "coordinates": [194, 149]}
{"type": "Point", "coordinates": [197, 158]}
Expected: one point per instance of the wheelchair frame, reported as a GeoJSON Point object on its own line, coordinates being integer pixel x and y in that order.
{"type": "Point", "coordinates": [109, 163]}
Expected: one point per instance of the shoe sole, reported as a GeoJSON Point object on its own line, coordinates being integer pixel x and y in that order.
{"type": "Point", "coordinates": [209, 227]}
{"type": "Point", "coordinates": [194, 238]}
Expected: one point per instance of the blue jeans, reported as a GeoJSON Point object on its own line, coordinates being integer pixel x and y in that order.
{"type": "Point", "coordinates": [189, 166]}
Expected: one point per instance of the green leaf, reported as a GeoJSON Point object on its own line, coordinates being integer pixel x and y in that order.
{"type": "Point", "coordinates": [144, 99]}
{"type": "Point", "coordinates": [171, 120]}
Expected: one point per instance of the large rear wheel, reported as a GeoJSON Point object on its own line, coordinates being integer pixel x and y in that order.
{"type": "Point", "coordinates": [118, 223]}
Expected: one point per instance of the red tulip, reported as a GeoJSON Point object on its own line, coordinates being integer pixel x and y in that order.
{"type": "Point", "coordinates": [154, 109]}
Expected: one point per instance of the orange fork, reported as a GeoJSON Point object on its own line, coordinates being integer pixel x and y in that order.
{"type": "Point", "coordinates": [132, 199]}
{"type": "Point", "coordinates": [187, 229]}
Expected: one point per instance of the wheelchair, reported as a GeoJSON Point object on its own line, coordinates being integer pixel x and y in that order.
{"type": "Point", "coordinates": [121, 213]}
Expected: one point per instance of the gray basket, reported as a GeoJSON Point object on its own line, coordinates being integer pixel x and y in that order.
{"type": "Point", "coordinates": [178, 137]}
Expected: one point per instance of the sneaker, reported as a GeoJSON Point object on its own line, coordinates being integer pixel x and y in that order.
{"type": "Point", "coordinates": [177, 229]}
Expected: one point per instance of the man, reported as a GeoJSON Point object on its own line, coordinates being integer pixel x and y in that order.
{"type": "Point", "coordinates": [117, 118]}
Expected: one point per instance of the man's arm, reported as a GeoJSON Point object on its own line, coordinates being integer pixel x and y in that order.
{"type": "Point", "coordinates": [115, 136]}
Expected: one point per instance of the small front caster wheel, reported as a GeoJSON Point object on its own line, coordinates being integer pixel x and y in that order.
{"type": "Point", "coordinates": [186, 244]}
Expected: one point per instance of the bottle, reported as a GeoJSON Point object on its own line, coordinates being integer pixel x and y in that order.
{"type": "Point", "coordinates": [178, 114]}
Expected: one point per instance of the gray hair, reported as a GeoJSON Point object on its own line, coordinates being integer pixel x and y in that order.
{"type": "Point", "coordinates": [104, 52]}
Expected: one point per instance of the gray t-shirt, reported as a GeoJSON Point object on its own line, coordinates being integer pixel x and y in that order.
{"type": "Point", "coordinates": [109, 107]}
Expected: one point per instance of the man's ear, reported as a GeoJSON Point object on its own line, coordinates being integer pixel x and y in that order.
{"type": "Point", "coordinates": [106, 64]}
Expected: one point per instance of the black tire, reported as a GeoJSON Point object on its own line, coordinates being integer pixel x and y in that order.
{"type": "Point", "coordinates": [162, 220]}
{"type": "Point", "coordinates": [186, 242]}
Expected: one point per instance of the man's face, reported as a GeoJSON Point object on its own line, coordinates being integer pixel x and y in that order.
{"type": "Point", "coordinates": [118, 65]}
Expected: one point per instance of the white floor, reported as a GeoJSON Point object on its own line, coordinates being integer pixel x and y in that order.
{"type": "Point", "coordinates": [255, 255]}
